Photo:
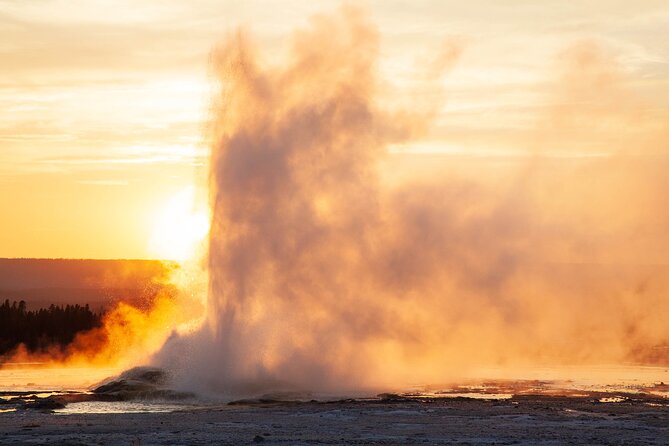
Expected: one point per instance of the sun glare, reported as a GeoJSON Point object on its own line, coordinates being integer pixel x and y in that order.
{"type": "Point", "coordinates": [180, 227]}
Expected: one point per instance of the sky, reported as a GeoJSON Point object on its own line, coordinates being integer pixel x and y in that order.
{"type": "Point", "coordinates": [104, 104]}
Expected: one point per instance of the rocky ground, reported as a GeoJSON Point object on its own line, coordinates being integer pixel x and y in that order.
{"type": "Point", "coordinates": [388, 420]}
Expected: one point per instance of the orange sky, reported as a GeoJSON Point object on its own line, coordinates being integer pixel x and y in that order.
{"type": "Point", "coordinates": [104, 103]}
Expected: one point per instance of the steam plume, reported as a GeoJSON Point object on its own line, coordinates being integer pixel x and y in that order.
{"type": "Point", "coordinates": [327, 276]}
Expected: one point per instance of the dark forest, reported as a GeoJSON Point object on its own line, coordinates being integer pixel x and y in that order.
{"type": "Point", "coordinates": [44, 328]}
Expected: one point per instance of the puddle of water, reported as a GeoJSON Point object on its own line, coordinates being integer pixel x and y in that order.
{"type": "Point", "coordinates": [44, 378]}
{"type": "Point", "coordinates": [612, 399]}
{"type": "Point", "coordinates": [122, 407]}
{"type": "Point", "coordinates": [473, 395]}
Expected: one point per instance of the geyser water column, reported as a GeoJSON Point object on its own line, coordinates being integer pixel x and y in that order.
{"type": "Point", "coordinates": [294, 299]}
{"type": "Point", "coordinates": [323, 278]}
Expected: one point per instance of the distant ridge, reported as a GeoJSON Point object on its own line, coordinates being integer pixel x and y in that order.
{"type": "Point", "coordinates": [99, 283]}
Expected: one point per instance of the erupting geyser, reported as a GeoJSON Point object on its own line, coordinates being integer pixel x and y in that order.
{"type": "Point", "coordinates": [329, 274]}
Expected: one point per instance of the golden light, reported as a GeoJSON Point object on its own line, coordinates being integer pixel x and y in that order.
{"type": "Point", "coordinates": [180, 228]}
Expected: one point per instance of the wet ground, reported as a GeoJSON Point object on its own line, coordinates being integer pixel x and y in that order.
{"type": "Point", "coordinates": [138, 408]}
{"type": "Point", "coordinates": [387, 420]}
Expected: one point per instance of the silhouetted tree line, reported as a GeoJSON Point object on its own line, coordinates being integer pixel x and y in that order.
{"type": "Point", "coordinates": [46, 327]}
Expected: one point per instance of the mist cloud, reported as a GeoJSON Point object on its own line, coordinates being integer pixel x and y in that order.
{"type": "Point", "coordinates": [325, 276]}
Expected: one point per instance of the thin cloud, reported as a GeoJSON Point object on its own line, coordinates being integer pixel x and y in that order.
{"type": "Point", "coordinates": [104, 182]}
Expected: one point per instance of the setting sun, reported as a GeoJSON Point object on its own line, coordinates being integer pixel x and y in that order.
{"type": "Point", "coordinates": [180, 227]}
{"type": "Point", "coordinates": [334, 222]}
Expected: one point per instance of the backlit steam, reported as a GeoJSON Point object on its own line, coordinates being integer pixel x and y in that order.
{"type": "Point", "coordinates": [335, 266]}
{"type": "Point", "coordinates": [128, 334]}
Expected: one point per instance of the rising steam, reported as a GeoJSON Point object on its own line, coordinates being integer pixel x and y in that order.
{"type": "Point", "coordinates": [335, 266]}
{"type": "Point", "coordinates": [129, 333]}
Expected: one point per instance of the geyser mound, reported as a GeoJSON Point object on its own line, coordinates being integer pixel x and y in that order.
{"type": "Point", "coordinates": [138, 383]}
{"type": "Point", "coordinates": [324, 277]}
